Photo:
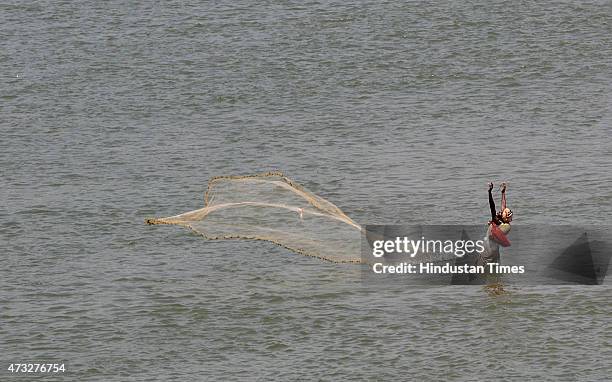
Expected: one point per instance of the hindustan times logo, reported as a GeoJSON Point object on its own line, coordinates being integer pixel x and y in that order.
{"type": "Point", "coordinates": [447, 268]}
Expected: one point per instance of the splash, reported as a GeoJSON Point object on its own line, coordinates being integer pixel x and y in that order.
{"type": "Point", "coordinates": [273, 208]}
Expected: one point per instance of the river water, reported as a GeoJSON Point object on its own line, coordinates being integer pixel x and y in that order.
{"type": "Point", "coordinates": [397, 112]}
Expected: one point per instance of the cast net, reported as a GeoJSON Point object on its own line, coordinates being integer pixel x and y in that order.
{"type": "Point", "coordinates": [273, 208]}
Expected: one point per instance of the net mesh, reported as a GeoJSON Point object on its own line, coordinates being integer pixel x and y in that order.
{"type": "Point", "coordinates": [273, 208]}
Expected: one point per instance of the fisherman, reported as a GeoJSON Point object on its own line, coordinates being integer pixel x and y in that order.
{"type": "Point", "coordinates": [503, 217]}
{"type": "Point", "coordinates": [500, 222]}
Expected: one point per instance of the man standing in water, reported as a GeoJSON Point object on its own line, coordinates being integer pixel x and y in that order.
{"type": "Point", "coordinates": [500, 221]}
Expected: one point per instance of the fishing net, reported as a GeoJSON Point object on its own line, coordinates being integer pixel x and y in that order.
{"type": "Point", "coordinates": [273, 208]}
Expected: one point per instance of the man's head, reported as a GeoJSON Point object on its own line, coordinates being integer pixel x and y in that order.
{"type": "Point", "coordinates": [506, 215]}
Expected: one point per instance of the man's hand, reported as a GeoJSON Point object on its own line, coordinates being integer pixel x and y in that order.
{"type": "Point", "coordinates": [502, 187]}
{"type": "Point", "coordinates": [490, 186]}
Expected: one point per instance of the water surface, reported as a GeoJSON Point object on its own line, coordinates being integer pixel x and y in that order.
{"type": "Point", "coordinates": [397, 112]}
